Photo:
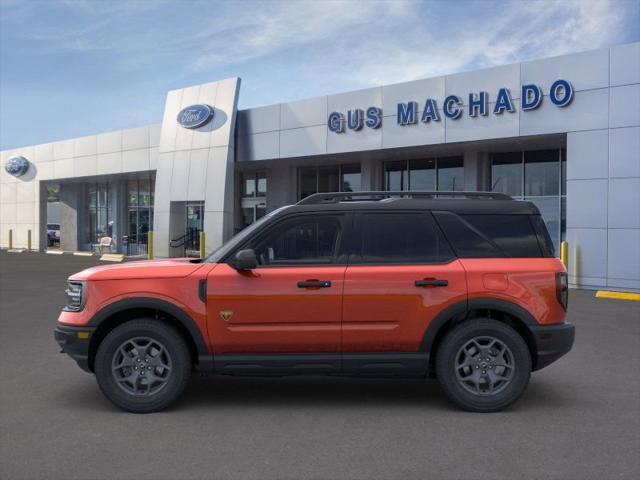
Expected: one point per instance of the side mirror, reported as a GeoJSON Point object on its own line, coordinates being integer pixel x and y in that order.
{"type": "Point", "coordinates": [244, 260]}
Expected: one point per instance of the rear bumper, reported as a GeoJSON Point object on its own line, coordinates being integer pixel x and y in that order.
{"type": "Point", "coordinates": [552, 342]}
{"type": "Point", "coordinates": [74, 341]}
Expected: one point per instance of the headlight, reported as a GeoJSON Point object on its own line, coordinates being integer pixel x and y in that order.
{"type": "Point", "coordinates": [75, 296]}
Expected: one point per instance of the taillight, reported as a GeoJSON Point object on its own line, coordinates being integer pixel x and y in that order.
{"type": "Point", "coordinates": [562, 289]}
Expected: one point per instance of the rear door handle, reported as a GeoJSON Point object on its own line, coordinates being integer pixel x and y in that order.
{"type": "Point", "coordinates": [432, 282]}
{"type": "Point", "coordinates": [314, 284]}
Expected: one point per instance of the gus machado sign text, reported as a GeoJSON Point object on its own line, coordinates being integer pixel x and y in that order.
{"type": "Point", "coordinates": [560, 95]}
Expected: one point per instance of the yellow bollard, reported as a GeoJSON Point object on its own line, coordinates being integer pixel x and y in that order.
{"type": "Point", "coordinates": [29, 240]}
{"type": "Point", "coordinates": [150, 245]}
{"type": "Point", "coordinates": [10, 239]}
{"type": "Point", "coordinates": [564, 254]}
{"type": "Point", "coordinates": [201, 244]}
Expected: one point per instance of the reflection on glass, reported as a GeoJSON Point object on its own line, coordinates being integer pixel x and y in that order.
{"type": "Point", "coordinates": [541, 173]}
{"type": "Point", "coordinates": [506, 173]}
{"type": "Point", "coordinates": [328, 179]}
{"type": "Point", "coordinates": [351, 178]}
{"type": "Point", "coordinates": [563, 168]}
{"type": "Point", "coordinates": [247, 216]}
{"type": "Point", "coordinates": [451, 174]}
{"type": "Point", "coordinates": [550, 211]}
{"type": "Point", "coordinates": [308, 181]}
{"type": "Point", "coordinates": [422, 174]}
{"type": "Point", "coordinates": [394, 175]}
{"type": "Point", "coordinates": [262, 185]}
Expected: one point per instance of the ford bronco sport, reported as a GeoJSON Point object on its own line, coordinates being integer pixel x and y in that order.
{"type": "Point", "coordinates": [463, 286]}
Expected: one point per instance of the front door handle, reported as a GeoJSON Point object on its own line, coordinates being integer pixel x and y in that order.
{"type": "Point", "coordinates": [314, 284]}
{"type": "Point", "coordinates": [432, 282]}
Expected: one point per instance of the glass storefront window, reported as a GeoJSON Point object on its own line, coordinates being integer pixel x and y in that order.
{"type": "Point", "coordinates": [53, 193]}
{"type": "Point", "coordinates": [254, 184]}
{"type": "Point", "coordinates": [542, 173]}
{"type": "Point", "coordinates": [506, 173]}
{"type": "Point", "coordinates": [262, 185]}
{"type": "Point", "coordinates": [249, 186]}
{"type": "Point", "coordinates": [538, 176]}
{"type": "Point", "coordinates": [563, 171]}
{"type": "Point", "coordinates": [429, 174]}
{"type": "Point", "coordinates": [394, 176]}
{"type": "Point", "coordinates": [451, 174]}
{"type": "Point", "coordinates": [253, 201]}
{"type": "Point", "coordinates": [550, 210]}
{"type": "Point", "coordinates": [422, 174]}
{"type": "Point", "coordinates": [351, 178]}
{"type": "Point", "coordinates": [100, 213]}
{"type": "Point", "coordinates": [330, 178]}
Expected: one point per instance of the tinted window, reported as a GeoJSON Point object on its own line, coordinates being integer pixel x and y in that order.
{"type": "Point", "coordinates": [482, 236]}
{"type": "Point", "coordinates": [304, 240]}
{"type": "Point", "coordinates": [466, 241]}
{"type": "Point", "coordinates": [543, 236]}
{"type": "Point", "coordinates": [399, 238]}
{"type": "Point", "coordinates": [513, 234]}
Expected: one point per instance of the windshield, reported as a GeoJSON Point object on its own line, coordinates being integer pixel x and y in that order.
{"type": "Point", "coordinates": [240, 237]}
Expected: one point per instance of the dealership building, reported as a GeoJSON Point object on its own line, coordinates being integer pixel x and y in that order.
{"type": "Point", "coordinates": [562, 132]}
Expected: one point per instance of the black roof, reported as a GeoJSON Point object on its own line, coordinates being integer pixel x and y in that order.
{"type": "Point", "coordinates": [457, 202]}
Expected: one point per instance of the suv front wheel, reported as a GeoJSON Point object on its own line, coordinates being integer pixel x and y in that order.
{"type": "Point", "coordinates": [143, 365]}
{"type": "Point", "coordinates": [483, 365]}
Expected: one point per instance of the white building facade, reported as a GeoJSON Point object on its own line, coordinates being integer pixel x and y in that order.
{"type": "Point", "coordinates": [562, 132]}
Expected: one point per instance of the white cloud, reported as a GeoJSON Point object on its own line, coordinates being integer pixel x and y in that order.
{"type": "Point", "coordinates": [536, 30]}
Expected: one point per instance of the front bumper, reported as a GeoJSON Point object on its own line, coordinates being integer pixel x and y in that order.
{"type": "Point", "coordinates": [74, 341]}
{"type": "Point", "coordinates": [552, 342]}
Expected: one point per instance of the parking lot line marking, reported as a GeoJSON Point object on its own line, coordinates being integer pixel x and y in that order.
{"type": "Point", "coordinates": [618, 295]}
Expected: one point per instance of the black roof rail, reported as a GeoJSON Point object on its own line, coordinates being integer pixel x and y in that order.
{"type": "Point", "coordinates": [335, 197]}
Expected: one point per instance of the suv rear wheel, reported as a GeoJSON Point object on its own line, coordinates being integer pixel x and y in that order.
{"type": "Point", "coordinates": [483, 365]}
{"type": "Point", "coordinates": [143, 365]}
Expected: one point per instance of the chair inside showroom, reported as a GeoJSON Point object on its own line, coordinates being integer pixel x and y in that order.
{"type": "Point", "coordinates": [104, 243]}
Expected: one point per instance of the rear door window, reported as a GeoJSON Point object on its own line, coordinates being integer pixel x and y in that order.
{"type": "Point", "coordinates": [399, 238]}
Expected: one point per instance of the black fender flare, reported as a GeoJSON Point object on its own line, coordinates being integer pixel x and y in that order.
{"type": "Point", "coordinates": [464, 307]}
{"type": "Point", "coordinates": [204, 356]}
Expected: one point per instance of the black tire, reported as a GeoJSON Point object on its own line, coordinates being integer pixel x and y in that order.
{"type": "Point", "coordinates": [174, 365]}
{"type": "Point", "coordinates": [453, 362]}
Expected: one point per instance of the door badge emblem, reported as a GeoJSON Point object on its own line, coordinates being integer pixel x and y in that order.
{"type": "Point", "coordinates": [226, 315]}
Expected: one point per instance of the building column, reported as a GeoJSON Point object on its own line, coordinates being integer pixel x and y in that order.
{"type": "Point", "coordinates": [282, 187]}
{"type": "Point", "coordinates": [477, 171]}
{"type": "Point", "coordinates": [371, 175]}
{"type": "Point", "coordinates": [69, 212]}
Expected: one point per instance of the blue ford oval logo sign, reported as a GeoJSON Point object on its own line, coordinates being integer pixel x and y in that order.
{"type": "Point", "coordinates": [195, 116]}
{"type": "Point", "coordinates": [17, 166]}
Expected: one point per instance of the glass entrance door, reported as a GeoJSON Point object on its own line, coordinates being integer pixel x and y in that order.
{"type": "Point", "coordinates": [139, 216]}
{"type": "Point", "coordinates": [253, 202]}
{"type": "Point", "coordinates": [194, 225]}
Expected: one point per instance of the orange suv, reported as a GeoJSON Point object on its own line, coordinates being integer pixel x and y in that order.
{"type": "Point", "coordinates": [463, 286]}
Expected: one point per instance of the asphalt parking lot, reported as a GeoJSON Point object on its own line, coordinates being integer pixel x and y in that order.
{"type": "Point", "coordinates": [579, 419]}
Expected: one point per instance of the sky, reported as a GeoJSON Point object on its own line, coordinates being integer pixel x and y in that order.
{"type": "Point", "coordinates": [70, 68]}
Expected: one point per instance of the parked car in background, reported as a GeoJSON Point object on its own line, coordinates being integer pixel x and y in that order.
{"type": "Point", "coordinates": [463, 286]}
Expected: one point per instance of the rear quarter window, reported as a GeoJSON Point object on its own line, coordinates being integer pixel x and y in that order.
{"type": "Point", "coordinates": [486, 236]}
